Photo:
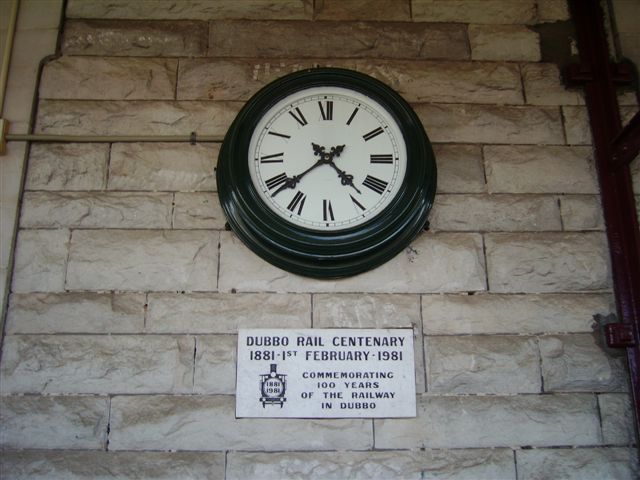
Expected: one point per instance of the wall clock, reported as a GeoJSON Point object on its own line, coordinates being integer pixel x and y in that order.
{"type": "Point", "coordinates": [326, 173]}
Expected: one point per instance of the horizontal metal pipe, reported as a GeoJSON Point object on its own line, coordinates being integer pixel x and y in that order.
{"type": "Point", "coordinates": [38, 137]}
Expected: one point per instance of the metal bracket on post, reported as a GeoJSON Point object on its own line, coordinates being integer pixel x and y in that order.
{"type": "Point", "coordinates": [619, 335]}
{"type": "Point", "coordinates": [4, 128]}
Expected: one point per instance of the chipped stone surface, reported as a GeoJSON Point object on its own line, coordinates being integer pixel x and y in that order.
{"type": "Point", "coordinates": [143, 260]}
{"type": "Point", "coordinates": [384, 10]}
{"type": "Point", "coordinates": [191, 10]}
{"type": "Point", "coordinates": [139, 117]}
{"type": "Point", "coordinates": [525, 169]}
{"type": "Point", "coordinates": [581, 212]}
{"type": "Point", "coordinates": [365, 311]}
{"type": "Point", "coordinates": [209, 423]}
{"type": "Point", "coordinates": [547, 262]}
{"type": "Point", "coordinates": [479, 11]}
{"type": "Point", "coordinates": [616, 412]}
{"type": "Point", "coordinates": [482, 364]}
{"type": "Point", "coordinates": [109, 78]}
{"type": "Point", "coordinates": [67, 166]}
{"type": "Point", "coordinates": [40, 261]}
{"type": "Point", "coordinates": [483, 421]}
{"type": "Point", "coordinates": [438, 263]}
{"type": "Point", "coordinates": [134, 38]}
{"type": "Point", "coordinates": [163, 166]}
{"type": "Point", "coordinates": [225, 313]}
{"type": "Point", "coordinates": [579, 463]}
{"type": "Point", "coordinates": [577, 363]}
{"type": "Point", "coordinates": [430, 464]}
{"type": "Point", "coordinates": [504, 43]}
{"type": "Point", "coordinates": [53, 422]}
{"type": "Point", "coordinates": [491, 124]}
{"type": "Point", "coordinates": [96, 210]}
{"type": "Point", "coordinates": [75, 313]}
{"type": "Point", "coordinates": [96, 364]}
{"type": "Point", "coordinates": [416, 81]}
{"type": "Point", "coordinates": [495, 314]}
{"type": "Point", "coordinates": [543, 86]}
{"type": "Point", "coordinates": [495, 213]}
{"type": "Point", "coordinates": [215, 364]}
{"type": "Point", "coordinates": [460, 168]}
{"type": "Point", "coordinates": [70, 464]}
{"type": "Point", "coordinates": [198, 210]}
{"type": "Point", "coordinates": [345, 40]}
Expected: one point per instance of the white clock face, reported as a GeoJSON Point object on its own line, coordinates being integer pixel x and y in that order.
{"type": "Point", "coordinates": [327, 158]}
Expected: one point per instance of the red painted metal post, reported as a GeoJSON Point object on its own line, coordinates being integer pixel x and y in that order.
{"type": "Point", "coordinates": [596, 73]}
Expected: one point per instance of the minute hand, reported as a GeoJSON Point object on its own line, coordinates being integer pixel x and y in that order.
{"type": "Point", "coordinates": [291, 182]}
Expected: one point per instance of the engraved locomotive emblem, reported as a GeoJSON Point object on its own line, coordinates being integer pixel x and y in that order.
{"type": "Point", "coordinates": [273, 386]}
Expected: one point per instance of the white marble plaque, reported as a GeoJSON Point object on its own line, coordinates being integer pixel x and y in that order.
{"type": "Point", "coordinates": [325, 373]}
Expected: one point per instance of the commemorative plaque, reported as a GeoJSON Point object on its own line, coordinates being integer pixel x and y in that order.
{"type": "Point", "coordinates": [325, 373]}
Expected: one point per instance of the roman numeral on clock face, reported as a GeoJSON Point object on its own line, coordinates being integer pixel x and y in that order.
{"type": "Point", "coordinates": [375, 184]}
{"type": "Point", "coordinates": [273, 158]}
{"type": "Point", "coordinates": [297, 202]}
{"type": "Point", "coordinates": [372, 134]}
{"type": "Point", "coordinates": [381, 158]}
{"type": "Point", "coordinates": [353, 114]}
{"type": "Point", "coordinates": [327, 211]}
{"type": "Point", "coordinates": [273, 182]}
{"type": "Point", "coordinates": [299, 117]}
{"type": "Point", "coordinates": [327, 111]}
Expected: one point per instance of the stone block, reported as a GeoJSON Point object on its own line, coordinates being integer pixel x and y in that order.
{"type": "Point", "coordinates": [75, 313]}
{"type": "Point", "coordinates": [577, 463]}
{"type": "Point", "coordinates": [215, 364]}
{"type": "Point", "coordinates": [382, 10]}
{"type": "Point", "coordinates": [136, 117]}
{"type": "Point", "coordinates": [432, 263]}
{"type": "Point", "coordinates": [416, 81]}
{"type": "Point", "coordinates": [225, 313]}
{"type": "Point", "coordinates": [67, 166]}
{"type": "Point", "coordinates": [109, 78]}
{"type": "Point", "coordinates": [40, 261]}
{"type": "Point", "coordinates": [135, 38]}
{"type": "Point", "coordinates": [617, 420]}
{"type": "Point", "coordinates": [553, 11]}
{"type": "Point", "coordinates": [482, 364]}
{"type": "Point", "coordinates": [581, 212]}
{"type": "Point", "coordinates": [513, 43]}
{"type": "Point", "coordinates": [143, 260]}
{"type": "Point", "coordinates": [514, 314]}
{"type": "Point", "coordinates": [496, 464]}
{"type": "Point", "coordinates": [460, 168]}
{"type": "Point", "coordinates": [342, 39]}
{"type": "Point", "coordinates": [455, 123]}
{"type": "Point", "coordinates": [53, 422]}
{"type": "Point", "coordinates": [478, 11]}
{"type": "Point", "coordinates": [196, 422]}
{"type": "Point", "coordinates": [97, 364]}
{"type": "Point", "coordinates": [525, 169]}
{"type": "Point", "coordinates": [577, 127]}
{"type": "Point", "coordinates": [96, 210]}
{"type": "Point", "coordinates": [86, 465]}
{"type": "Point", "coordinates": [543, 86]}
{"type": "Point", "coordinates": [163, 166]}
{"type": "Point", "coordinates": [192, 10]}
{"type": "Point", "coordinates": [495, 213]}
{"type": "Point", "coordinates": [198, 210]}
{"type": "Point", "coordinates": [577, 363]}
{"type": "Point", "coordinates": [548, 262]}
{"type": "Point", "coordinates": [488, 421]}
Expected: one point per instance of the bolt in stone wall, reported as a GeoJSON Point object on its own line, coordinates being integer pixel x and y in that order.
{"type": "Point", "coordinates": [127, 295]}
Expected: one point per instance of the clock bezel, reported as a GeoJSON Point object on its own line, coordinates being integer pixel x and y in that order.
{"type": "Point", "coordinates": [315, 253]}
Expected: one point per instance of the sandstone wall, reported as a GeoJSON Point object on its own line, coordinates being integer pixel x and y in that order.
{"type": "Point", "coordinates": [119, 353]}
